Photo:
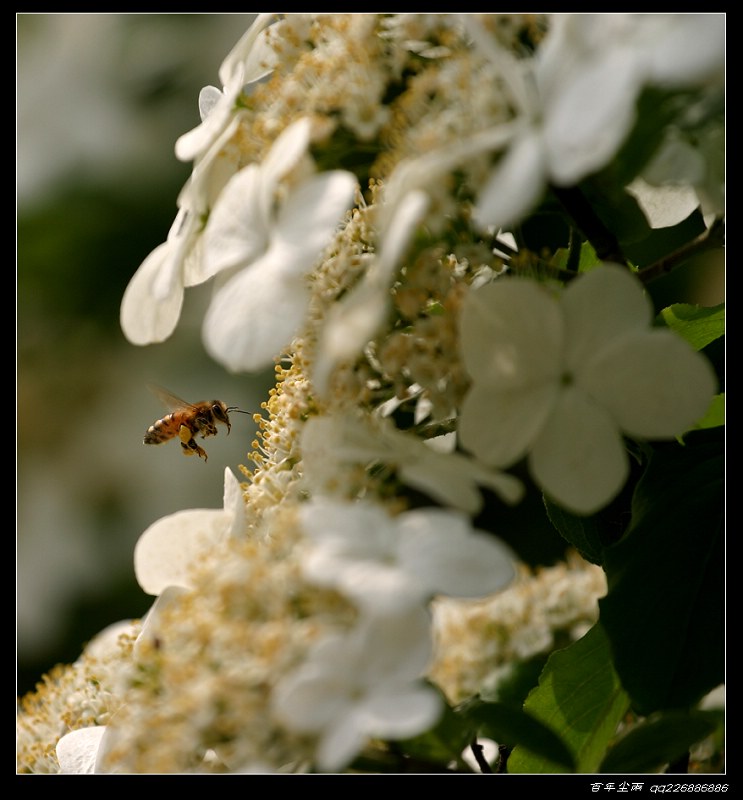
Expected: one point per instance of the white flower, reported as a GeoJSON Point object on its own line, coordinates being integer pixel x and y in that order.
{"type": "Point", "coordinates": [361, 685]}
{"type": "Point", "coordinates": [167, 551]}
{"type": "Point", "coordinates": [562, 380]}
{"type": "Point", "coordinates": [582, 104]}
{"type": "Point", "coordinates": [388, 563]}
{"type": "Point", "coordinates": [269, 249]}
{"type": "Point", "coordinates": [331, 443]}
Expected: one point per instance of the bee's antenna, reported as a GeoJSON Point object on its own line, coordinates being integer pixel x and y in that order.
{"type": "Point", "coordinates": [239, 410]}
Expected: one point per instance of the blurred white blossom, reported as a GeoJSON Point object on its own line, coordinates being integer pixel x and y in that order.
{"type": "Point", "coordinates": [360, 685]}
{"type": "Point", "coordinates": [387, 564]}
{"type": "Point", "coordinates": [579, 104]}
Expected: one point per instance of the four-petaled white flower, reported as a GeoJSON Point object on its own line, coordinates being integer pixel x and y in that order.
{"type": "Point", "coordinates": [562, 380]}
{"type": "Point", "coordinates": [264, 245]}
{"type": "Point", "coordinates": [388, 563]}
{"type": "Point", "coordinates": [362, 685]}
{"type": "Point", "coordinates": [172, 546]}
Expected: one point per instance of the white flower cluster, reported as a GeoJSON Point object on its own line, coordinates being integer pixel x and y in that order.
{"type": "Point", "coordinates": [348, 179]}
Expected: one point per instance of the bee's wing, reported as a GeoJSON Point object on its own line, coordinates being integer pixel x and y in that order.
{"type": "Point", "coordinates": [171, 401]}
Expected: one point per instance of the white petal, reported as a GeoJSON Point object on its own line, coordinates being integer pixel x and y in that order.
{"type": "Point", "coordinates": [341, 742]}
{"type": "Point", "coordinates": [145, 318]}
{"type": "Point", "coordinates": [311, 215]}
{"type": "Point", "coordinates": [237, 231]}
{"type": "Point", "coordinates": [499, 427]}
{"type": "Point", "coordinates": [399, 225]}
{"type": "Point", "coordinates": [255, 314]}
{"type": "Point", "coordinates": [77, 751]}
{"type": "Point", "coordinates": [600, 307]}
{"type": "Point", "coordinates": [351, 323]}
{"type": "Point", "coordinates": [691, 50]}
{"type": "Point", "coordinates": [590, 115]}
{"type": "Point", "coordinates": [284, 155]}
{"type": "Point", "coordinates": [209, 96]}
{"type": "Point", "coordinates": [515, 185]}
{"type": "Point", "coordinates": [309, 700]}
{"type": "Point", "coordinates": [154, 634]}
{"type": "Point", "coordinates": [355, 530]}
{"type": "Point", "coordinates": [664, 206]}
{"type": "Point", "coordinates": [652, 382]}
{"type": "Point", "coordinates": [512, 334]}
{"type": "Point", "coordinates": [401, 712]}
{"type": "Point", "coordinates": [442, 482]}
{"type": "Point", "coordinates": [374, 586]}
{"type": "Point", "coordinates": [106, 642]}
{"type": "Point", "coordinates": [196, 142]}
{"type": "Point", "coordinates": [579, 459]}
{"type": "Point", "coordinates": [395, 648]}
{"type": "Point", "coordinates": [167, 551]}
{"type": "Point", "coordinates": [448, 557]}
{"type": "Point", "coordinates": [507, 487]}
{"type": "Point", "coordinates": [240, 53]}
{"type": "Point", "coordinates": [234, 505]}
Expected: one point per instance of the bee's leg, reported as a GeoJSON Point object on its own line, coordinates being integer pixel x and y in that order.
{"type": "Point", "coordinates": [188, 443]}
{"type": "Point", "coordinates": [189, 448]}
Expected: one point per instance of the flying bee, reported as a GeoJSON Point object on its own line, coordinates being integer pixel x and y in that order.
{"type": "Point", "coordinates": [186, 421]}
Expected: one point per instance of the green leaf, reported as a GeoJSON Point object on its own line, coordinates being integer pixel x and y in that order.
{"type": "Point", "coordinates": [665, 608]}
{"type": "Point", "coordinates": [516, 680]}
{"type": "Point", "coordinates": [587, 259]}
{"type": "Point", "coordinates": [581, 699]}
{"type": "Point", "coordinates": [584, 533]}
{"type": "Point", "coordinates": [715, 415]}
{"type": "Point", "coordinates": [511, 726]}
{"type": "Point", "coordinates": [699, 325]}
{"type": "Point", "coordinates": [657, 742]}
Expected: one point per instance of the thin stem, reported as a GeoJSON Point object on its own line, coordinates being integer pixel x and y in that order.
{"type": "Point", "coordinates": [713, 237]}
{"type": "Point", "coordinates": [477, 752]}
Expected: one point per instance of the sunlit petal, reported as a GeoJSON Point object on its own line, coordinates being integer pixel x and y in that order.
{"type": "Point", "coordinates": [255, 314]}
{"type": "Point", "coordinates": [237, 231]}
{"type": "Point", "coordinates": [77, 750]}
{"type": "Point", "coordinates": [144, 317]}
{"type": "Point", "coordinates": [167, 551]}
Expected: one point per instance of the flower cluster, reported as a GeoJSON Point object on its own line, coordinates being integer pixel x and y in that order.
{"type": "Point", "coordinates": [374, 199]}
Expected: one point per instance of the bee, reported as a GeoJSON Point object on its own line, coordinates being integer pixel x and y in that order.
{"type": "Point", "coordinates": [186, 421]}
